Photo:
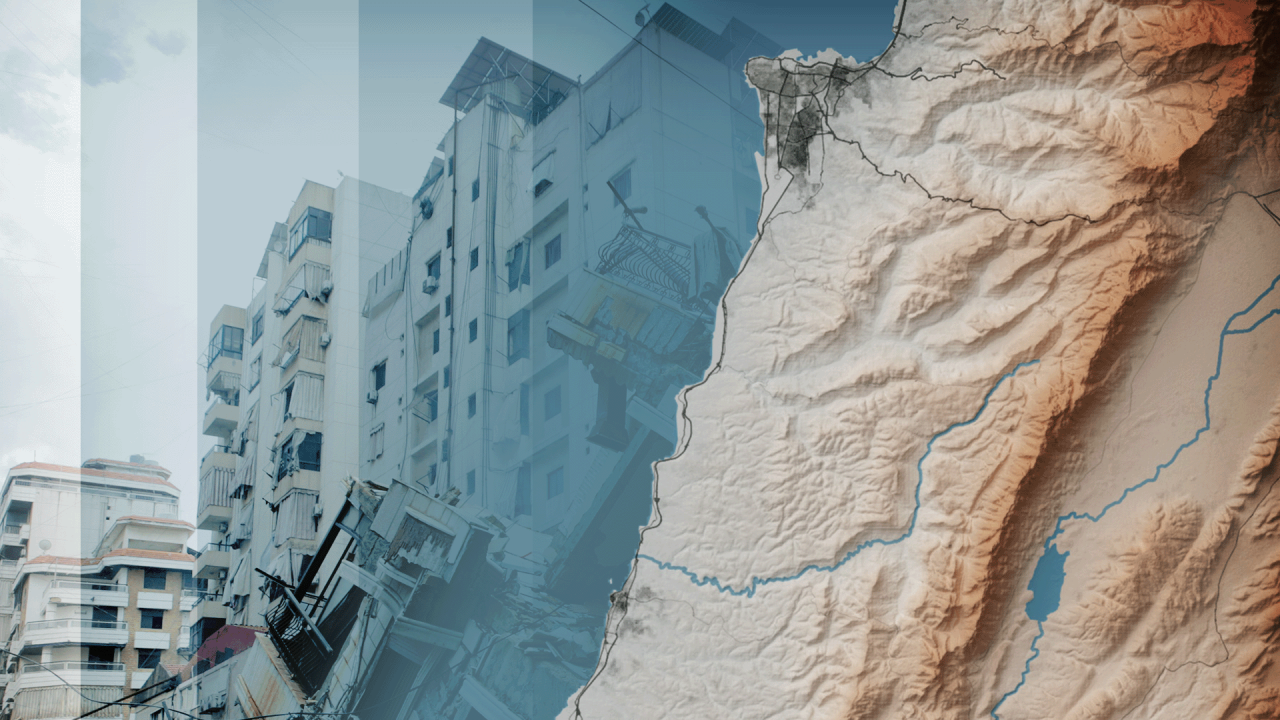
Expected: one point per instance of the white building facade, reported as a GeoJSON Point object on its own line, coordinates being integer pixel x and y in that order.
{"type": "Point", "coordinates": [99, 582]}
{"type": "Point", "coordinates": [282, 376]}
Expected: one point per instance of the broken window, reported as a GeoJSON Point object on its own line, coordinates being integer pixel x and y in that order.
{"type": "Point", "coordinates": [524, 493]}
{"type": "Point", "coordinates": [376, 441]}
{"type": "Point", "coordinates": [622, 186]}
{"type": "Point", "coordinates": [555, 482]}
{"type": "Point", "coordinates": [551, 252]}
{"type": "Point", "coordinates": [518, 336]}
{"type": "Point", "coordinates": [551, 403]}
{"type": "Point", "coordinates": [309, 452]}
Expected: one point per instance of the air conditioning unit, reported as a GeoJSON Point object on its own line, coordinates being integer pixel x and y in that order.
{"type": "Point", "coordinates": [325, 339]}
{"type": "Point", "coordinates": [430, 285]}
{"type": "Point", "coordinates": [222, 527]}
{"type": "Point", "coordinates": [372, 397]}
{"type": "Point", "coordinates": [326, 289]}
{"type": "Point", "coordinates": [222, 574]}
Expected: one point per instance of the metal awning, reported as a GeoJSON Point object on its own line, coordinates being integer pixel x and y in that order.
{"type": "Point", "coordinates": [534, 89]}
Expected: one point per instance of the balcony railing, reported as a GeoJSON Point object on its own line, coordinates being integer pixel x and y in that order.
{"type": "Point", "coordinates": [215, 449]}
{"type": "Point", "coordinates": [90, 585]}
{"type": "Point", "coordinates": [214, 547]}
{"type": "Point", "coordinates": [12, 529]}
{"type": "Point", "coordinates": [304, 650]}
{"type": "Point", "coordinates": [82, 665]}
{"type": "Point", "coordinates": [198, 594]}
{"type": "Point", "coordinates": [75, 623]}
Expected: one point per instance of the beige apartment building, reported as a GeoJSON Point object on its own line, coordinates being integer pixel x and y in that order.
{"type": "Point", "coordinates": [95, 583]}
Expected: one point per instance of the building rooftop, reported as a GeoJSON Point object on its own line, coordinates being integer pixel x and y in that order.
{"type": "Point", "coordinates": [166, 521]}
{"type": "Point", "coordinates": [92, 472]}
{"type": "Point", "coordinates": [123, 552]}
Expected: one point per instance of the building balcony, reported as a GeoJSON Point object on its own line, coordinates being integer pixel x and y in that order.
{"type": "Point", "coordinates": [217, 473]}
{"type": "Point", "coordinates": [86, 592]}
{"type": "Point", "coordinates": [76, 673]}
{"type": "Point", "coordinates": [209, 607]}
{"type": "Point", "coordinates": [75, 631]}
{"type": "Point", "coordinates": [16, 534]}
{"type": "Point", "coordinates": [190, 597]}
{"type": "Point", "coordinates": [220, 419]}
{"type": "Point", "coordinates": [9, 569]}
{"type": "Point", "coordinates": [224, 372]}
{"type": "Point", "coordinates": [214, 557]}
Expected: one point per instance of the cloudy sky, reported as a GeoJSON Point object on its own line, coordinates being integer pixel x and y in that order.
{"type": "Point", "coordinates": [148, 146]}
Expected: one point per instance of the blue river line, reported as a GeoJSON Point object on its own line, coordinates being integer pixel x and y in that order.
{"type": "Point", "coordinates": [756, 582]}
{"type": "Point", "coordinates": [1063, 519]}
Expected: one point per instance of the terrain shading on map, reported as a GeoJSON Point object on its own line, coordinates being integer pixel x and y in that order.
{"type": "Point", "coordinates": [990, 429]}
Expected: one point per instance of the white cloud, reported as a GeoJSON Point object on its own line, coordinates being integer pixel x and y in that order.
{"type": "Point", "coordinates": [170, 43]}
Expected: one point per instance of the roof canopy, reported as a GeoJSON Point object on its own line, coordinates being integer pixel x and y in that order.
{"type": "Point", "coordinates": [533, 89]}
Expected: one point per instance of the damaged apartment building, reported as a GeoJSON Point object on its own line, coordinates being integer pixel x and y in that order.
{"type": "Point", "coordinates": [422, 505]}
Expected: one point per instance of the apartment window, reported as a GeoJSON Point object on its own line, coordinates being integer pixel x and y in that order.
{"type": "Point", "coordinates": [524, 493]}
{"type": "Point", "coordinates": [475, 189]}
{"type": "Point", "coordinates": [255, 372]}
{"type": "Point", "coordinates": [475, 258]}
{"type": "Point", "coordinates": [524, 408]}
{"type": "Point", "coordinates": [287, 463]}
{"type": "Point", "coordinates": [433, 267]}
{"type": "Point", "coordinates": [228, 341]}
{"type": "Point", "coordinates": [471, 405]}
{"type": "Point", "coordinates": [444, 451]}
{"type": "Point", "coordinates": [153, 579]}
{"type": "Point", "coordinates": [448, 237]}
{"type": "Point", "coordinates": [433, 405]}
{"type": "Point", "coordinates": [551, 403]}
{"type": "Point", "coordinates": [380, 375]}
{"type": "Point", "coordinates": [314, 224]}
{"type": "Point", "coordinates": [473, 331]}
{"type": "Point", "coordinates": [256, 327]}
{"type": "Point", "coordinates": [435, 341]}
{"type": "Point", "coordinates": [148, 659]}
{"type": "Point", "coordinates": [471, 482]}
{"type": "Point", "coordinates": [101, 654]}
{"type": "Point", "coordinates": [376, 442]}
{"type": "Point", "coordinates": [518, 336]}
{"type": "Point", "coordinates": [309, 452]}
{"type": "Point", "coordinates": [448, 305]}
{"type": "Point", "coordinates": [622, 184]}
{"type": "Point", "coordinates": [517, 266]}
{"type": "Point", "coordinates": [450, 166]}
{"type": "Point", "coordinates": [446, 375]}
{"type": "Point", "coordinates": [152, 619]}
{"type": "Point", "coordinates": [552, 251]}
{"type": "Point", "coordinates": [555, 482]}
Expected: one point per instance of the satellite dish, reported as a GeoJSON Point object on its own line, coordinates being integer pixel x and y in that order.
{"type": "Point", "coordinates": [45, 545]}
{"type": "Point", "coordinates": [641, 19]}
